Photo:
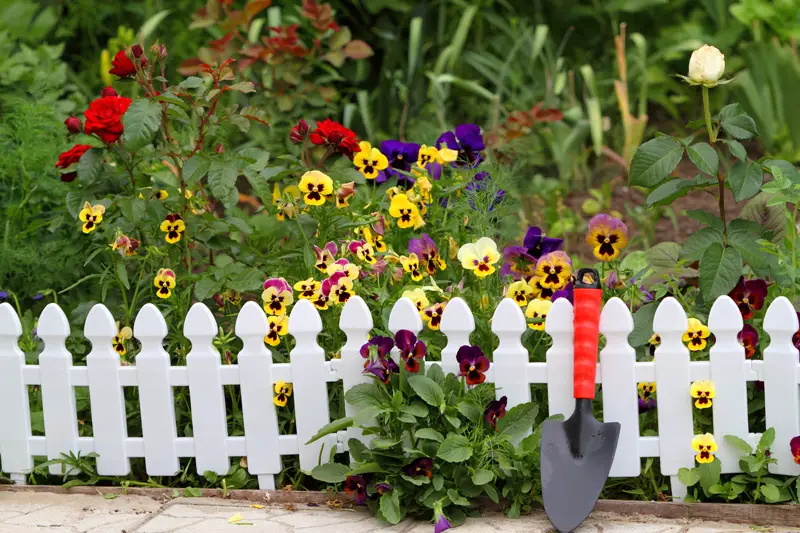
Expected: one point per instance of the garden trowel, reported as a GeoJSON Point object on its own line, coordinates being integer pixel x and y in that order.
{"type": "Point", "coordinates": [577, 453]}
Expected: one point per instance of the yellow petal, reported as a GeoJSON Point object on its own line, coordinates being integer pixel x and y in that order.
{"type": "Point", "coordinates": [235, 518]}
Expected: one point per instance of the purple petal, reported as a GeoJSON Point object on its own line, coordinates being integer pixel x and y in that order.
{"type": "Point", "coordinates": [404, 339]}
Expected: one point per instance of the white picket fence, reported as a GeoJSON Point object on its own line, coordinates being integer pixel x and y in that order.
{"type": "Point", "coordinates": [309, 372]}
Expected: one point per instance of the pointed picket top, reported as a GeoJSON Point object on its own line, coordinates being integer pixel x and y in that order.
{"type": "Point", "coordinates": [304, 318]}
{"type": "Point", "coordinates": [150, 326]}
{"type": "Point", "coordinates": [53, 324]}
{"type": "Point", "coordinates": [559, 319]}
{"type": "Point", "coordinates": [457, 318]}
{"type": "Point", "coordinates": [670, 318]}
{"type": "Point", "coordinates": [355, 316]}
{"type": "Point", "coordinates": [405, 315]}
{"type": "Point", "coordinates": [781, 320]}
{"type": "Point", "coordinates": [507, 318]}
{"type": "Point", "coordinates": [10, 326]}
{"type": "Point", "coordinates": [616, 318]}
{"type": "Point", "coordinates": [100, 325]}
{"type": "Point", "coordinates": [251, 322]}
{"type": "Point", "coordinates": [199, 323]}
{"type": "Point", "coordinates": [725, 317]}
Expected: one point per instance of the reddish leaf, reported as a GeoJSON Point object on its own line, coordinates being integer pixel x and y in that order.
{"type": "Point", "coordinates": [191, 67]}
{"type": "Point", "coordinates": [358, 50]}
{"type": "Point", "coordinates": [254, 7]}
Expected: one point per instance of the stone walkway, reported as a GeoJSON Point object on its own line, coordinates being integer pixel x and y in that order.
{"type": "Point", "coordinates": [27, 512]}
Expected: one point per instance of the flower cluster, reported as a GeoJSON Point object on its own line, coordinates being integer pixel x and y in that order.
{"type": "Point", "coordinates": [379, 362]}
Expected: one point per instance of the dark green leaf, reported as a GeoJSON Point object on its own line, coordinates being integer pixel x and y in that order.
{"type": "Point", "coordinates": [669, 191]}
{"type": "Point", "coordinates": [740, 444]}
{"type": "Point", "coordinates": [643, 324]}
{"type": "Point", "coordinates": [745, 179]}
{"type": "Point", "coordinates": [429, 434]}
{"type": "Point", "coordinates": [427, 389]}
{"type": "Point", "coordinates": [470, 411]}
{"type": "Point", "coordinates": [90, 165]}
{"type": "Point", "coordinates": [705, 158]}
{"type": "Point", "coordinates": [332, 427]}
{"type": "Point", "coordinates": [122, 273]}
{"type": "Point", "coordinates": [173, 99]}
{"type": "Point", "coordinates": [141, 122]}
{"type": "Point", "coordinates": [455, 449]}
{"type": "Point", "coordinates": [456, 498]}
{"type": "Point", "coordinates": [698, 241]}
{"type": "Point", "coordinates": [766, 439]}
{"type": "Point", "coordinates": [736, 149]}
{"type": "Point", "coordinates": [709, 474]}
{"type": "Point", "coordinates": [720, 269]}
{"type": "Point", "coordinates": [192, 82]}
{"type": "Point", "coordinates": [365, 395]}
{"type": "Point", "coordinates": [788, 169]}
{"type": "Point", "coordinates": [654, 161]}
{"type": "Point", "coordinates": [482, 477]}
{"type": "Point", "coordinates": [518, 421]}
{"type": "Point", "coordinates": [365, 468]}
{"type": "Point", "coordinates": [771, 493]}
{"type": "Point", "coordinates": [390, 507]}
{"type": "Point", "coordinates": [740, 126]}
{"type": "Point", "coordinates": [357, 449]}
{"type": "Point", "coordinates": [205, 288]}
{"type": "Point", "coordinates": [709, 219]}
{"type": "Point", "coordinates": [222, 180]}
{"type": "Point", "coordinates": [195, 168]}
{"type": "Point", "coordinates": [417, 409]}
{"type": "Point", "coordinates": [330, 472]}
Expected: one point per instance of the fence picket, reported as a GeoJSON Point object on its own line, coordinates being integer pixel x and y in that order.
{"type": "Point", "coordinates": [58, 394]}
{"type": "Point", "coordinates": [781, 398]}
{"type": "Point", "coordinates": [356, 322]}
{"type": "Point", "coordinates": [617, 364]}
{"type": "Point", "coordinates": [105, 394]}
{"type": "Point", "coordinates": [156, 397]}
{"type": "Point", "coordinates": [309, 381]}
{"type": "Point", "coordinates": [457, 324]}
{"type": "Point", "coordinates": [510, 358]}
{"type": "Point", "coordinates": [675, 426]}
{"type": "Point", "coordinates": [255, 376]}
{"type": "Point", "coordinates": [728, 372]}
{"type": "Point", "coordinates": [206, 396]}
{"type": "Point", "coordinates": [15, 417]}
{"type": "Point", "coordinates": [560, 358]}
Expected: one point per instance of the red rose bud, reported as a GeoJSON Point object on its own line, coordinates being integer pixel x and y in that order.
{"type": "Point", "coordinates": [220, 148]}
{"type": "Point", "coordinates": [69, 177]}
{"type": "Point", "coordinates": [123, 67]}
{"type": "Point", "coordinates": [74, 125]}
{"type": "Point", "coordinates": [137, 50]}
{"type": "Point", "coordinates": [144, 61]}
{"type": "Point", "coordinates": [299, 132]}
{"type": "Point", "coordinates": [159, 49]}
{"type": "Point", "coordinates": [108, 91]}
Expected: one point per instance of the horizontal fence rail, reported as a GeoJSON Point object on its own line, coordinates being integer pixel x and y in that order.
{"type": "Point", "coordinates": [255, 374]}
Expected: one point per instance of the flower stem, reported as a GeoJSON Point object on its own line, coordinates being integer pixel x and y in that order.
{"type": "Point", "coordinates": [707, 114]}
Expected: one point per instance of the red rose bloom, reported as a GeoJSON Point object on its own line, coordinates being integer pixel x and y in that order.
{"type": "Point", "coordinates": [336, 136]}
{"type": "Point", "coordinates": [104, 117]}
{"type": "Point", "coordinates": [72, 156]}
{"type": "Point", "coordinates": [123, 66]}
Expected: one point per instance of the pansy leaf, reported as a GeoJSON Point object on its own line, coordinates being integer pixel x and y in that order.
{"type": "Point", "coordinates": [205, 288]}
{"type": "Point", "coordinates": [720, 269]}
{"type": "Point", "coordinates": [141, 122]}
{"type": "Point", "coordinates": [455, 449]}
{"type": "Point", "coordinates": [740, 444]}
{"type": "Point", "coordinates": [357, 449]}
{"type": "Point", "coordinates": [491, 492]}
{"type": "Point", "coordinates": [709, 473]}
{"type": "Point", "coordinates": [427, 389]}
{"type": "Point", "coordinates": [333, 427]}
{"type": "Point", "coordinates": [390, 507]}
{"type": "Point", "coordinates": [429, 434]}
{"type": "Point", "coordinates": [654, 161]}
{"type": "Point", "coordinates": [771, 493]}
{"type": "Point", "coordinates": [330, 472]}
{"type": "Point", "coordinates": [745, 178]}
{"type": "Point", "coordinates": [767, 438]}
{"type": "Point", "coordinates": [122, 274]}
{"type": "Point", "coordinates": [365, 468]}
{"type": "Point", "coordinates": [518, 420]}
{"type": "Point", "coordinates": [457, 498]}
{"type": "Point", "coordinates": [470, 411]}
{"type": "Point", "coordinates": [704, 157]}
{"type": "Point", "coordinates": [482, 477]}
{"type": "Point", "coordinates": [688, 476]}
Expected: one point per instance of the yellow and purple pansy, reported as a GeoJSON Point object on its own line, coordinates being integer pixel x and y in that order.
{"type": "Point", "coordinates": [554, 270]}
{"type": "Point", "coordinates": [428, 253]}
{"type": "Point", "coordinates": [696, 336]}
{"type": "Point", "coordinates": [370, 161]}
{"type": "Point", "coordinates": [316, 187]}
{"type": "Point", "coordinates": [520, 292]}
{"type": "Point", "coordinates": [325, 256]}
{"type": "Point", "coordinates": [277, 296]}
{"type": "Point", "coordinates": [283, 391]}
{"type": "Point", "coordinates": [705, 446]}
{"type": "Point", "coordinates": [338, 288]}
{"type": "Point", "coordinates": [278, 326]}
{"type": "Point", "coordinates": [307, 288]}
{"type": "Point", "coordinates": [406, 212]}
{"type": "Point", "coordinates": [748, 338]}
{"type": "Point", "coordinates": [479, 257]}
{"type": "Point", "coordinates": [703, 391]}
{"type": "Point", "coordinates": [607, 236]}
{"type": "Point", "coordinates": [363, 250]}
{"type": "Point", "coordinates": [121, 338]}
{"type": "Point", "coordinates": [351, 270]}
{"type": "Point", "coordinates": [125, 245]}
{"type": "Point", "coordinates": [467, 141]}
{"type": "Point", "coordinates": [537, 313]}
{"type": "Point", "coordinates": [418, 297]}
{"type": "Point", "coordinates": [749, 296]}
{"type": "Point", "coordinates": [164, 282]}
{"type": "Point", "coordinates": [433, 315]}
{"type": "Point", "coordinates": [91, 216]}
{"type": "Point", "coordinates": [411, 265]}
{"type": "Point", "coordinates": [173, 226]}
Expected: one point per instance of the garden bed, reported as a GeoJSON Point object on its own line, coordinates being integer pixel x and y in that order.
{"type": "Point", "coordinates": [761, 515]}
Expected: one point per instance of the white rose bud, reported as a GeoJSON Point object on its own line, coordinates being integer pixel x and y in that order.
{"type": "Point", "coordinates": [706, 66]}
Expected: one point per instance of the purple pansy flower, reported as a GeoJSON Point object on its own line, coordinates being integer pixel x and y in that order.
{"type": "Point", "coordinates": [419, 467]}
{"type": "Point", "coordinates": [748, 338]}
{"type": "Point", "coordinates": [537, 244]}
{"type": "Point", "coordinates": [646, 405]}
{"type": "Point", "coordinates": [412, 351]}
{"type": "Point", "coordinates": [495, 411]}
{"type": "Point", "coordinates": [380, 368]}
{"type": "Point", "coordinates": [383, 488]}
{"type": "Point", "coordinates": [517, 263]}
{"type": "Point", "coordinates": [440, 521]}
{"type": "Point", "coordinates": [38, 297]}
{"type": "Point", "coordinates": [357, 486]}
{"type": "Point", "coordinates": [566, 292]}
{"type": "Point", "coordinates": [401, 156]}
{"type": "Point", "coordinates": [472, 364]}
{"type": "Point", "coordinates": [427, 253]}
{"type": "Point", "coordinates": [467, 140]}
{"type": "Point", "coordinates": [3, 295]}
{"type": "Point", "coordinates": [480, 182]}
{"type": "Point", "coordinates": [383, 346]}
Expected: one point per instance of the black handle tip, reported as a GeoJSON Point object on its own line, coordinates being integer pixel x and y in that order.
{"type": "Point", "coordinates": [587, 278]}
